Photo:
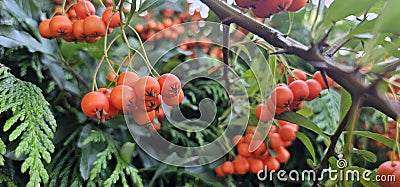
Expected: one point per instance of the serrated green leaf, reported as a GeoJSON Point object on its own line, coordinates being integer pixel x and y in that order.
{"type": "Point", "coordinates": [301, 121]}
{"type": "Point", "coordinates": [367, 155]}
{"type": "Point", "coordinates": [307, 142]}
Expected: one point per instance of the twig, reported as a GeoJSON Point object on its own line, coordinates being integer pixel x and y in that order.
{"type": "Point", "coordinates": [225, 52]}
{"type": "Point", "coordinates": [322, 43]}
{"type": "Point", "coordinates": [336, 48]}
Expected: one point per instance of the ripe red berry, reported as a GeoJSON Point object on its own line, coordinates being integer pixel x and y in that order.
{"type": "Point", "coordinates": [275, 140]}
{"type": "Point", "coordinates": [298, 75]}
{"type": "Point", "coordinates": [282, 154]}
{"type": "Point", "coordinates": [84, 9]}
{"type": "Point", "coordinates": [263, 113]}
{"type": "Point", "coordinates": [257, 147]}
{"type": "Point", "coordinates": [385, 169]}
{"type": "Point", "coordinates": [170, 85]}
{"type": "Point", "coordinates": [123, 97]}
{"type": "Point", "coordinates": [256, 165]}
{"type": "Point", "coordinates": [287, 133]}
{"type": "Point", "coordinates": [95, 105]}
{"type": "Point", "coordinates": [296, 106]}
{"type": "Point", "coordinates": [283, 96]}
{"type": "Point", "coordinates": [280, 110]}
{"type": "Point", "coordinates": [244, 3]}
{"type": "Point", "coordinates": [228, 168]}
{"type": "Point", "coordinates": [127, 78]}
{"type": "Point", "coordinates": [319, 78]}
{"type": "Point", "coordinates": [44, 29]}
{"type": "Point", "coordinates": [243, 149]}
{"type": "Point", "coordinates": [272, 163]}
{"type": "Point", "coordinates": [111, 17]}
{"type": "Point", "coordinates": [314, 89]}
{"type": "Point", "coordinates": [299, 89]}
{"type": "Point", "coordinates": [237, 139]}
{"type": "Point", "coordinates": [297, 5]}
{"type": "Point", "coordinates": [218, 170]}
{"type": "Point", "coordinates": [60, 26]}
{"type": "Point", "coordinates": [241, 165]}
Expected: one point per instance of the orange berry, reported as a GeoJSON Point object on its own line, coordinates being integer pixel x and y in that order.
{"type": "Point", "coordinates": [243, 149]}
{"type": "Point", "coordinates": [228, 168]}
{"type": "Point", "coordinates": [287, 133]}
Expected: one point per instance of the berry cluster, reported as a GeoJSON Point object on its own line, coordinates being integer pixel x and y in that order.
{"type": "Point", "coordinates": [79, 23]}
{"type": "Point", "coordinates": [266, 8]}
{"type": "Point", "coordinates": [171, 19]}
{"type": "Point", "coordinates": [138, 96]}
{"type": "Point", "coordinates": [268, 155]}
{"type": "Point", "coordinates": [387, 169]}
{"type": "Point", "coordinates": [290, 97]}
{"type": "Point", "coordinates": [204, 43]}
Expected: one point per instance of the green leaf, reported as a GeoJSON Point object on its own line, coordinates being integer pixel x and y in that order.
{"type": "Point", "coordinates": [126, 151]}
{"type": "Point", "coordinates": [362, 28]}
{"type": "Point", "coordinates": [345, 104]}
{"type": "Point", "coordinates": [367, 155]}
{"type": "Point", "coordinates": [307, 142]}
{"type": "Point", "coordinates": [205, 174]}
{"type": "Point", "coordinates": [149, 4]}
{"type": "Point", "coordinates": [243, 48]}
{"type": "Point", "coordinates": [390, 14]}
{"type": "Point", "coordinates": [340, 9]}
{"type": "Point", "coordinates": [385, 66]}
{"type": "Point", "coordinates": [162, 170]}
{"type": "Point", "coordinates": [301, 121]}
{"type": "Point", "coordinates": [88, 154]}
{"type": "Point", "coordinates": [291, 18]}
{"type": "Point", "coordinates": [377, 7]}
{"type": "Point", "coordinates": [375, 136]}
{"type": "Point", "coordinates": [310, 163]}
